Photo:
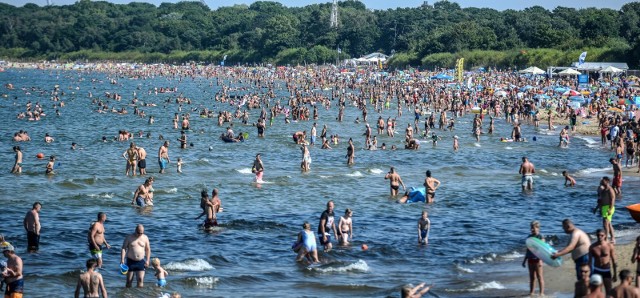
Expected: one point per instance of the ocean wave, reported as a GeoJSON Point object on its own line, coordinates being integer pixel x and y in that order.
{"type": "Point", "coordinates": [102, 195]}
{"type": "Point", "coordinates": [203, 281]}
{"type": "Point", "coordinates": [324, 177]}
{"type": "Point", "coordinates": [359, 266]}
{"type": "Point", "coordinates": [589, 141]}
{"type": "Point", "coordinates": [354, 174]}
{"type": "Point", "coordinates": [512, 255]}
{"type": "Point", "coordinates": [592, 170]}
{"type": "Point", "coordinates": [244, 171]}
{"type": "Point", "coordinates": [508, 148]}
{"type": "Point", "coordinates": [375, 171]}
{"type": "Point", "coordinates": [463, 269]}
{"type": "Point", "coordinates": [171, 190]}
{"type": "Point", "coordinates": [190, 265]}
{"type": "Point", "coordinates": [486, 286]}
{"type": "Point", "coordinates": [483, 259]}
{"type": "Point", "coordinates": [477, 144]}
{"type": "Point", "coordinates": [543, 170]}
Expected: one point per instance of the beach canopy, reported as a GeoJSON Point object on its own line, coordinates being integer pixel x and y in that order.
{"type": "Point", "coordinates": [572, 93]}
{"type": "Point", "coordinates": [569, 72]}
{"type": "Point", "coordinates": [533, 70]}
{"type": "Point", "coordinates": [611, 69]}
{"type": "Point", "coordinates": [441, 76]}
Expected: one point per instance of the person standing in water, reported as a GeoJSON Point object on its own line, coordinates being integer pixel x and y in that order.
{"type": "Point", "coordinates": [17, 166]}
{"type": "Point", "coordinates": [258, 168]}
{"type": "Point", "coordinates": [424, 225]}
{"type": "Point", "coordinates": [534, 263]}
{"type": "Point", "coordinates": [527, 170]}
{"type": "Point", "coordinates": [394, 181]}
{"type": "Point", "coordinates": [91, 282]}
{"type": "Point", "coordinates": [163, 156]}
{"type": "Point", "coordinates": [430, 184]}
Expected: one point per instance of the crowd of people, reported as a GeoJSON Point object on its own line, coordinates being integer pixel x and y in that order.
{"type": "Point", "coordinates": [433, 102]}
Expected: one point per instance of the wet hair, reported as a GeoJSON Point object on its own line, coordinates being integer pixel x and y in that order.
{"type": "Point", "coordinates": [36, 204]}
{"type": "Point", "coordinates": [564, 172]}
{"type": "Point", "coordinates": [535, 224]}
{"type": "Point", "coordinates": [624, 274]}
{"type": "Point", "coordinates": [92, 263]}
{"type": "Point", "coordinates": [567, 221]}
{"type": "Point", "coordinates": [100, 214]}
{"type": "Point", "coordinates": [306, 225]}
{"type": "Point", "coordinates": [204, 193]}
{"type": "Point", "coordinates": [428, 173]}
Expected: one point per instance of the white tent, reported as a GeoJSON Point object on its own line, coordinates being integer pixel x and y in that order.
{"type": "Point", "coordinates": [569, 72]}
{"type": "Point", "coordinates": [533, 70]}
{"type": "Point", "coordinates": [611, 69]}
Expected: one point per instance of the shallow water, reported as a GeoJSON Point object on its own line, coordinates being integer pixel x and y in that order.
{"type": "Point", "coordinates": [479, 221]}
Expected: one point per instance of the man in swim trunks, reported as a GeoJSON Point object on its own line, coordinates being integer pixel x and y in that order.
{"type": "Point", "coordinates": [13, 273]}
{"type": "Point", "coordinates": [137, 250]}
{"type": "Point", "coordinates": [96, 239]}
{"type": "Point", "coordinates": [394, 181]}
{"type": "Point", "coordinates": [602, 256]}
{"type": "Point", "coordinates": [31, 224]}
{"type": "Point", "coordinates": [617, 175]}
{"type": "Point", "coordinates": [327, 224]}
{"type": "Point", "coordinates": [91, 282]}
{"type": "Point", "coordinates": [424, 225]}
{"type": "Point", "coordinates": [527, 169]}
{"type": "Point", "coordinates": [131, 155]}
{"type": "Point", "coordinates": [142, 160]}
{"type": "Point", "coordinates": [606, 205]}
{"type": "Point", "coordinates": [163, 156]}
{"type": "Point", "coordinates": [430, 184]}
{"type": "Point", "coordinates": [578, 246]}
{"type": "Point", "coordinates": [141, 195]}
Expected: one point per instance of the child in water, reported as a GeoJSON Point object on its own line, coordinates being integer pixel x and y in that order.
{"type": "Point", "coordinates": [568, 179]}
{"type": "Point", "coordinates": [179, 164]}
{"type": "Point", "coordinates": [424, 225]}
{"type": "Point", "coordinates": [535, 264]}
{"type": "Point", "coordinates": [161, 274]}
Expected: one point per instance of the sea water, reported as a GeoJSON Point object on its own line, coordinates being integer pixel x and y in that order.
{"type": "Point", "coordinates": [479, 220]}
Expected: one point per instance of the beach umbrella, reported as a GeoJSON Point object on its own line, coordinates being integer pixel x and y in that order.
{"type": "Point", "coordinates": [542, 96]}
{"type": "Point", "coordinates": [611, 69]}
{"type": "Point", "coordinates": [500, 93]}
{"type": "Point", "coordinates": [571, 93]}
{"type": "Point", "coordinates": [577, 98]}
{"type": "Point", "coordinates": [569, 72]}
{"type": "Point", "coordinates": [533, 70]}
{"type": "Point", "coordinates": [560, 89]}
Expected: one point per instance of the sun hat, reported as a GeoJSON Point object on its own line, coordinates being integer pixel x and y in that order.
{"type": "Point", "coordinates": [595, 280]}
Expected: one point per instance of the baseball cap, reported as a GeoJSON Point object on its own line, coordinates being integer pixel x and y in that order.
{"type": "Point", "coordinates": [595, 280]}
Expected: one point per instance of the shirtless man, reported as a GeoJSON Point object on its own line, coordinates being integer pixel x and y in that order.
{"type": "Point", "coordinates": [96, 239]}
{"type": "Point", "coordinates": [606, 205]}
{"type": "Point", "coordinates": [617, 175]}
{"type": "Point", "coordinates": [31, 224]}
{"type": "Point", "coordinates": [17, 166]}
{"type": "Point", "coordinates": [163, 156]}
{"type": "Point", "coordinates": [13, 273]}
{"type": "Point", "coordinates": [625, 289]}
{"type": "Point", "coordinates": [141, 195]}
{"type": "Point", "coordinates": [142, 160]}
{"type": "Point", "coordinates": [91, 282]}
{"type": "Point", "coordinates": [578, 246]}
{"type": "Point", "coordinates": [527, 169]}
{"type": "Point", "coordinates": [430, 184]}
{"type": "Point", "coordinates": [602, 255]}
{"type": "Point", "coordinates": [424, 225]}
{"type": "Point", "coordinates": [394, 181]}
{"type": "Point", "coordinates": [136, 249]}
{"type": "Point", "coordinates": [131, 155]}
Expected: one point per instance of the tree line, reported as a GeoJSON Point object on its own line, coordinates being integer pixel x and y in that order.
{"type": "Point", "coordinates": [429, 35]}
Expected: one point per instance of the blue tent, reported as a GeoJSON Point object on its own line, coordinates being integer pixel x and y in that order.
{"type": "Point", "coordinates": [441, 76]}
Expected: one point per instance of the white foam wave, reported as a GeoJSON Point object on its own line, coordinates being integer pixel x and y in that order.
{"type": "Point", "coordinates": [513, 255]}
{"type": "Point", "coordinates": [206, 280]}
{"type": "Point", "coordinates": [355, 174]}
{"type": "Point", "coordinates": [359, 266]}
{"type": "Point", "coordinates": [483, 259]}
{"type": "Point", "coordinates": [508, 148]}
{"type": "Point", "coordinates": [592, 170]}
{"type": "Point", "coordinates": [554, 174]}
{"type": "Point", "coordinates": [477, 144]}
{"type": "Point", "coordinates": [375, 171]}
{"type": "Point", "coordinates": [190, 265]}
{"type": "Point", "coordinates": [590, 141]}
{"type": "Point", "coordinates": [204, 159]}
{"type": "Point", "coordinates": [463, 269]}
{"type": "Point", "coordinates": [172, 190]}
{"type": "Point", "coordinates": [244, 171]}
{"type": "Point", "coordinates": [487, 286]}
{"type": "Point", "coordinates": [543, 170]}
{"type": "Point", "coordinates": [102, 195]}
{"type": "Point", "coordinates": [325, 177]}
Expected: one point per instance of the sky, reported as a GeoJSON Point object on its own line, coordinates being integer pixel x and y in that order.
{"type": "Point", "coordinates": [381, 4]}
